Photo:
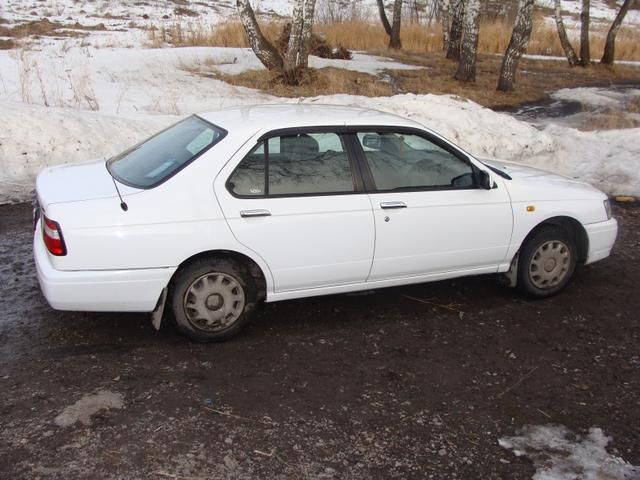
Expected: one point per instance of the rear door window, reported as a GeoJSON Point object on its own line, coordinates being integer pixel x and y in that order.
{"type": "Point", "coordinates": [291, 165]}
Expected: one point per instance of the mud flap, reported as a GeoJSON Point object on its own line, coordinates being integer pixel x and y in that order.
{"type": "Point", "coordinates": [156, 315]}
{"type": "Point", "coordinates": [511, 276]}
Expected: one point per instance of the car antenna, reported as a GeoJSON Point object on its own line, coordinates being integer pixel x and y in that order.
{"type": "Point", "coordinates": [123, 205]}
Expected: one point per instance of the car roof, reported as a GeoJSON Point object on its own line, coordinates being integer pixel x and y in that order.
{"type": "Point", "coordinates": [252, 118]}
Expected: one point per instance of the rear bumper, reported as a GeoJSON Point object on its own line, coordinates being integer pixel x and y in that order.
{"type": "Point", "coordinates": [602, 236]}
{"type": "Point", "coordinates": [98, 291]}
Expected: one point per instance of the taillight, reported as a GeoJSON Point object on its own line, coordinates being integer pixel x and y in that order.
{"type": "Point", "coordinates": [52, 235]}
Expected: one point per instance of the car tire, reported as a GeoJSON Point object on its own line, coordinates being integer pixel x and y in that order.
{"type": "Point", "coordinates": [546, 262]}
{"type": "Point", "coordinates": [212, 299]}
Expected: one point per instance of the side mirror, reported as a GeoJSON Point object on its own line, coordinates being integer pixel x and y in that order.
{"type": "Point", "coordinates": [372, 141]}
{"type": "Point", "coordinates": [485, 180]}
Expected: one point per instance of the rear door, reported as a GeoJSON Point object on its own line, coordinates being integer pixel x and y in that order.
{"type": "Point", "coordinates": [431, 215]}
{"type": "Point", "coordinates": [295, 199]}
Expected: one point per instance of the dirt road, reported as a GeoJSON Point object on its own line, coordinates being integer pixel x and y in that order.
{"type": "Point", "coordinates": [378, 385]}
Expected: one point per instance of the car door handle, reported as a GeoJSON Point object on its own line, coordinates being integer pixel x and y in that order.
{"type": "Point", "coordinates": [255, 213]}
{"type": "Point", "coordinates": [388, 205]}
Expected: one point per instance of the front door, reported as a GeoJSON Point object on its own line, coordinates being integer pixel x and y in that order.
{"type": "Point", "coordinates": [295, 200]}
{"type": "Point", "coordinates": [431, 216]}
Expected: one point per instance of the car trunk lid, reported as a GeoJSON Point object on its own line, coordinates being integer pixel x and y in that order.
{"type": "Point", "coordinates": [76, 183]}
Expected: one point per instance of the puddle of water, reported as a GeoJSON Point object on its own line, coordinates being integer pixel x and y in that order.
{"type": "Point", "coordinates": [584, 107]}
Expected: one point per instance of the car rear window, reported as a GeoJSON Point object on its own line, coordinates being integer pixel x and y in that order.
{"type": "Point", "coordinates": [156, 159]}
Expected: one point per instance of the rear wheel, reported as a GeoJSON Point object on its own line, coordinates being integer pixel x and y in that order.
{"type": "Point", "coordinates": [547, 261]}
{"type": "Point", "coordinates": [212, 299]}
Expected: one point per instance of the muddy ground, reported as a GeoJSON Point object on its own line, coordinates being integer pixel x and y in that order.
{"type": "Point", "coordinates": [377, 385]}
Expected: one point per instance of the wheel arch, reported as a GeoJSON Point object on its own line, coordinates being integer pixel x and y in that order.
{"type": "Point", "coordinates": [570, 225]}
{"type": "Point", "coordinates": [255, 270]}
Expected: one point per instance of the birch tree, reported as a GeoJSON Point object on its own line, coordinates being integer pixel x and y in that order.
{"type": "Point", "coordinates": [307, 30]}
{"type": "Point", "coordinates": [455, 33]}
{"type": "Point", "coordinates": [263, 48]}
{"type": "Point", "coordinates": [295, 58]}
{"type": "Point", "coordinates": [444, 18]}
{"type": "Point", "coordinates": [467, 65]}
{"type": "Point", "coordinates": [517, 45]}
{"type": "Point", "coordinates": [610, 44]}
{"type": "Point", "coordinates": [570, 53]}
{"type": "Point", "coordinates": [292, 55]}
{"type": "Point", "coordinates": [392, 29]}
{"type": "Point", "coordinates": [585, 50]}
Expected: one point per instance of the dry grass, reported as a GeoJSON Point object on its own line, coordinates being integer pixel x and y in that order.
{"type": "Point", "coordinates": [44, 27]}
{"type": "Point", "coordinates": [416, 38]}
{"type": "Point", "coordinates": [39, 85]}
{"type": "Point", "coordinates": [7, 44]}
{"type": "Point", "coordinates": [634, 105]}
{"type": "Point", "coordinates": [609, 121]}
{"type": "Point", "coordinates": [535, 79]}
{"type": "Point", "coordinates": [198, 34]}
{"type": "Point", "coordinates": [324, 81]}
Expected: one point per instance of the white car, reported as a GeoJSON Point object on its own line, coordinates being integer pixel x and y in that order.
{"type": "Point", "coordinates": [274, 202]}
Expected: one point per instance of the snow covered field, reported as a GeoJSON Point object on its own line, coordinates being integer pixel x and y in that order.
{"type": "Point", "coordinates": [68, 100]}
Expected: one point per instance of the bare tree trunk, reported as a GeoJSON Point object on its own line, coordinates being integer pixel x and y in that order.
{"type": "Point", "coordinates": [307, 30]}
{"type": "Point", "coordinates": [394, 38]}
{"type": "Point", "coordinates": [572, 58]}
{"type": "Point", "coordinates": [444, 18]}
{"type": "Point", "coordinates": [264, 50]}
{"type": "Point", "coordinates": [467, 66]}
{"type": "Point", "coordinates": [455, 35]}
{"type": "Point", "coordinates": [295, 39]}
{"type": "Point", "coordinates": [383, 17]}
{"type": "Point", "coordinates": [585, 51]}
{"type": "Point", "coordinates": [517, 45]}
{"type": "Point", "coordinates": [610, 45]}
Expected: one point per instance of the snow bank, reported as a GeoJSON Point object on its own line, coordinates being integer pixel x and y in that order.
{"type": "Point", "coordinates": [34, 137]}
{"type": "Point", "coordinates": [100, 101]}
{"type": "Point", "coordinates": [479, 130]}
{"type": "Point", "coordinates": [609, 160]}
{"type": "Point", "coordinates": [557, 454]}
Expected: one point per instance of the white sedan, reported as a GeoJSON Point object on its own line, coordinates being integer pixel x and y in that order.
{"type": "Point", "coordinates": [265, 203]}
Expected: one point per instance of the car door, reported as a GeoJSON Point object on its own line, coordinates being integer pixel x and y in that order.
{"type": "Point", "coordinates": [296, 201]}
{"type": "Point", "coordinates": [431, 215]}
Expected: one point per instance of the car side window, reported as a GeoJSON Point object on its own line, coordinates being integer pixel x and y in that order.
{"type": "Point", "coordinates": [248, 179]}
{"type": "Point", "coordinates": [399, 161]}
{"type": "Point", "coordinates": [300, 164]}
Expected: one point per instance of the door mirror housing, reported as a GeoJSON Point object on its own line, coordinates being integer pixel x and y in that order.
{"type": "Point", "coordinates": [372, 141]}
{"type": "Point", "coordinates": [486, 182]}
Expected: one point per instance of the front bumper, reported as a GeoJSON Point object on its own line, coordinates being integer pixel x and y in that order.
{"type": "Point", "coordinates": [602, 236]}
{"type": "Point", "coordinates": [98, 290]}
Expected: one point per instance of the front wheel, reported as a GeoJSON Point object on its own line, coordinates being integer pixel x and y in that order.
{"type": "Point", "coordinates": [547, 261]}
{"type": "Point", "coordinates": [212, 299]}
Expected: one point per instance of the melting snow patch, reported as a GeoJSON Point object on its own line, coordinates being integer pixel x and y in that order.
{"type": "Point", "coordinates": [87, 406]}
{"type": "Point", "coordinates": [558, 454]}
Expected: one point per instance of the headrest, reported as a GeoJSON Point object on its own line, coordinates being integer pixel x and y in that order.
{"type": "Point", "coordinates": [390, 144]}
{"type": "Point", "coordinates": [299, 145]}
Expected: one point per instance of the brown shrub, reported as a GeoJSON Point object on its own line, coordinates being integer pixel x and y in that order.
{"type": "Point", "coordinates": [185, 12]}
{"type": "Point", "coordinates": [7, 44]}
{"type": "Point", "coordinates": [319, 46]}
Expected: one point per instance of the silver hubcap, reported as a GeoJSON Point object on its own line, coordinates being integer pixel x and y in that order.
{"type": "Point", "coordinates": [214, 302]}
{"type": "Point", "coordinates": [549, 264]}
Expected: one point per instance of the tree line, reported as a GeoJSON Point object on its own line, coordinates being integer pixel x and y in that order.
{"type": "Point", "coordinates": [460, 28]}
